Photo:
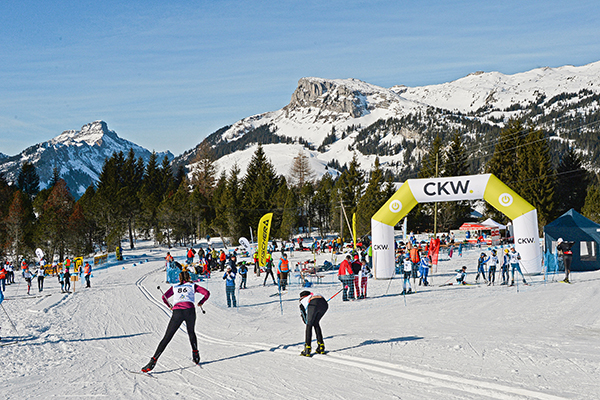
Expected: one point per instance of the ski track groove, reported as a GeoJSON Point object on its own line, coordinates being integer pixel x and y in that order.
{"type": "Point", "coordinates": [449, 382]}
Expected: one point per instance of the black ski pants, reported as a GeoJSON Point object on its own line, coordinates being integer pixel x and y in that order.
{"type": "Point", "coordinates": [189, 316]}
{"type": "Point", "coordinates": [269, 271]}
{"type": "Point", "coordinates": [316, 309]}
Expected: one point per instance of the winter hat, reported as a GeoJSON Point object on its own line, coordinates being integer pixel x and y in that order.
{"type": "Point", "coordinates": [304, 293]}
{"type": "Point", "coordinates": [560, 240]}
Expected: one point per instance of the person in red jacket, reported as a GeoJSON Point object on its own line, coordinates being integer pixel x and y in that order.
{"type": "Point", "coordinates": [346, 276]}
{"type": "Point", "coordinates": [87, 273]}
{"type": "Point", "coordinates": [222, 259]}
{"type": "Point", "coordinates": [183, 310]}
{"type": "Point", "coordinates": [190, 256]}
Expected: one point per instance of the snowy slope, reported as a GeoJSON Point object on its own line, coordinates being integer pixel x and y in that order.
{"type": "Point", "coordinates": [78, 154]}
{"type": "Point", "coordinates": [473, 342]}
{"type": "Point", "coordinates": [498, 90]}
{"type": "Point", "coordinates": [320, 107]}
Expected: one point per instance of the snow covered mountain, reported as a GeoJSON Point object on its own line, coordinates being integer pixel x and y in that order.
{"type": "Point", "coordinates": [333, 119]}
{"type": "Point", "coordinates": [78, 155]}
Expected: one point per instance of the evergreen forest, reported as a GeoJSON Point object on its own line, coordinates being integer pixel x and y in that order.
{"type": "Point", "coordinates": [134, 200]}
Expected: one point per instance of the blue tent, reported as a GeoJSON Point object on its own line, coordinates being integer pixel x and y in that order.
{"type": "Point", "coordinates": [574, 227]}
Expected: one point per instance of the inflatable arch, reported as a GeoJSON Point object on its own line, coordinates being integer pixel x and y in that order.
{"type": "Point", "coordinates": [468, 187]}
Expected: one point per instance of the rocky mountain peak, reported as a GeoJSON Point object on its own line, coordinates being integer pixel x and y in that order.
{"type": "Point", "coordinates": [336, 96]}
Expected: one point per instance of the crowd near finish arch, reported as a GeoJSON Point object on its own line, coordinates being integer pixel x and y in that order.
{"type": "Point", "coordinates": [468, 187]}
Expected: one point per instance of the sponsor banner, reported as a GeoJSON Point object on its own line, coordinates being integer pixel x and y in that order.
{"type": "Point", "coordinates": [383, 250]}
{"type": "Point", "coordinates": [468, 187]}
{"type": "Point", "coordinates": [264, 227]}
{"type": "Point", "coordinates": [354, 229]}
{"type": "Point", "coordinates": [456, 188]}
{"type": "Point", "coordinates": [397, 206]}
{"type": "Point", "coordinates": [246, 244]}
{"type": "Point", "coordinates": [505, 200]}
{"type": "Point", "coordinates": [527, 242]}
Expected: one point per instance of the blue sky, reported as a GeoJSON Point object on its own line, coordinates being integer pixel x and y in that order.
{"type": "Point", "coordinates": [167, 75]}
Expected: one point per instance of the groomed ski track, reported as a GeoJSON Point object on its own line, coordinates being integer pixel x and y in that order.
{"type": "Point", "coordinates": [466, 343]}
{"type": "Point", "coordinates": [480, 389]}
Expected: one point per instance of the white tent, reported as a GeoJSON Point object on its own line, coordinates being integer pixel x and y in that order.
{"type": "Point", "coordinates": [491, 222]}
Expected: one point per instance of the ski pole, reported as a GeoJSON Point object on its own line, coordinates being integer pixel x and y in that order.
{"type": "Point", "coordinates": [161, 292]}
{"type": "Point", "coordinates": [12, 323]}
{"type": "Point", "coordinates": [338, 292]}
{"type": "Point", "coordinates": [389, 284]}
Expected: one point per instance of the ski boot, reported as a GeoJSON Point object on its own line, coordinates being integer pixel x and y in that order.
{"type": "Point", "coordinates": [195, 356]}
{"type": "Point", "coordinates": [321, 348]}
{"type": "Point", "coordinates": [150, 366]}
{"type": "Point", "coordinates": [306, 351]}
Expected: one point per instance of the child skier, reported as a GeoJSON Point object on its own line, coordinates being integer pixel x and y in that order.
{"type": "Point", "coordinates": [505, 264]}
{"type": "Point", "coordinates": [407, 269]}
{"type": "Point", "coordinates": [312, 308]}
{"type": "Point", "coordinates": [481, 267]}
{"type": "Point", "coordinates": [461, 276]}
{"type": "Point", "coordinates": [183, 310]}
{"type": "Point", "coordinates": [493, 260]}
{"type": "Point", "coordinates": [27, 275]}
{"type": "Point", "coordinates": [243, 270]}
{"type": "Point", "coordinates": [424, 269]}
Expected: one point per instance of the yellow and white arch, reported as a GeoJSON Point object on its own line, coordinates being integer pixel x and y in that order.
{"type": "Point", "coordinates": [469, 187]}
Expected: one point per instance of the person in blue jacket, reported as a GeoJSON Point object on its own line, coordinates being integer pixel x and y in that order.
{"type": "Point", "coordinates": [230, 287]}
{"type": "Point", "coordinates": [481, 267]}
{"type": "Point", "coordinates": [243, 270]}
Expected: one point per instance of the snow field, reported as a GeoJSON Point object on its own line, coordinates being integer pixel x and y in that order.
{"type": "Point", "coordinates": [470, 342]}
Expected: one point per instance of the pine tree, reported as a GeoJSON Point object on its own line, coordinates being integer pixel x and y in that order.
{"type": "Point", "coordinates": [371, 201]}
{"type": "Point", "coordinates": [258, 188]}
{"type": "Point", "coordinates": [451, 215]}
{"type": "Point", "coordinates": [93, 232]}
{"type": "Point", "coordinates": [53, 228]}
{"type": "Point", "coordinates": [28, 180]}
{"type": "Point", "coordinates": [348, 190]}
{"type": "Point", "coordinates": [129, 201]}
{"type": "Point", "coordinates": [591, 208]}
{"type": "Point", "coordinates": [572, 182]}
{"type": "Point", "coordinates": [220, 204]}
{"type": "Point", "coordinates": [537, 175]}
{"type": "Point", "coordinates": [322, 202]}
{"type": "Point", "coordinates": [151, 193]}
{"type": "Point", "coordinates": [421, 217]}
{"type": "Point", "coordinates": [288, 220]}
{"type": "Point", "coordinates": [6, 196]}
{"type": "Point", "coordinates": [108, 196]}
{"type": "Point", "coordinates": [504, 163]}
{"type": "Point", "coordinates": [232, 199]}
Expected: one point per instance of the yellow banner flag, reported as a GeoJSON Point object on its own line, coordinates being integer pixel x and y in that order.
{"type": "Point", "coordinates": [264, 227]}
{"type": "Point", "coordinates": [354, 229]}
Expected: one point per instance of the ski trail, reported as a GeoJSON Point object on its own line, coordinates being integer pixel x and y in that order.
{"type": "Point", "coordinates": [476, 387]}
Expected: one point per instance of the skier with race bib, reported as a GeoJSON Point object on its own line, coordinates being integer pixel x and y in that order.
{"type": "Point", "coordinates": [183, 295]}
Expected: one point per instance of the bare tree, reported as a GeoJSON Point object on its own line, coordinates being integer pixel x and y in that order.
{"type": "Point", "coordinates": [301, 172]}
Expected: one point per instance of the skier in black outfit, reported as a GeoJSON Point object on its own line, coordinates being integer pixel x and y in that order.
{"type": "Point", "coordinates": [565, 252]}
{"type": "Point", "coordinates": [183, 310]}
{"type": "Point", "coordinates": [269, 270]}
{"type": "Point", "coordinates": [312, 308]}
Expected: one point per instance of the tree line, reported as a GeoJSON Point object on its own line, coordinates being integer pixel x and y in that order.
{"type": "Point", "coordinates": [135, 200]}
